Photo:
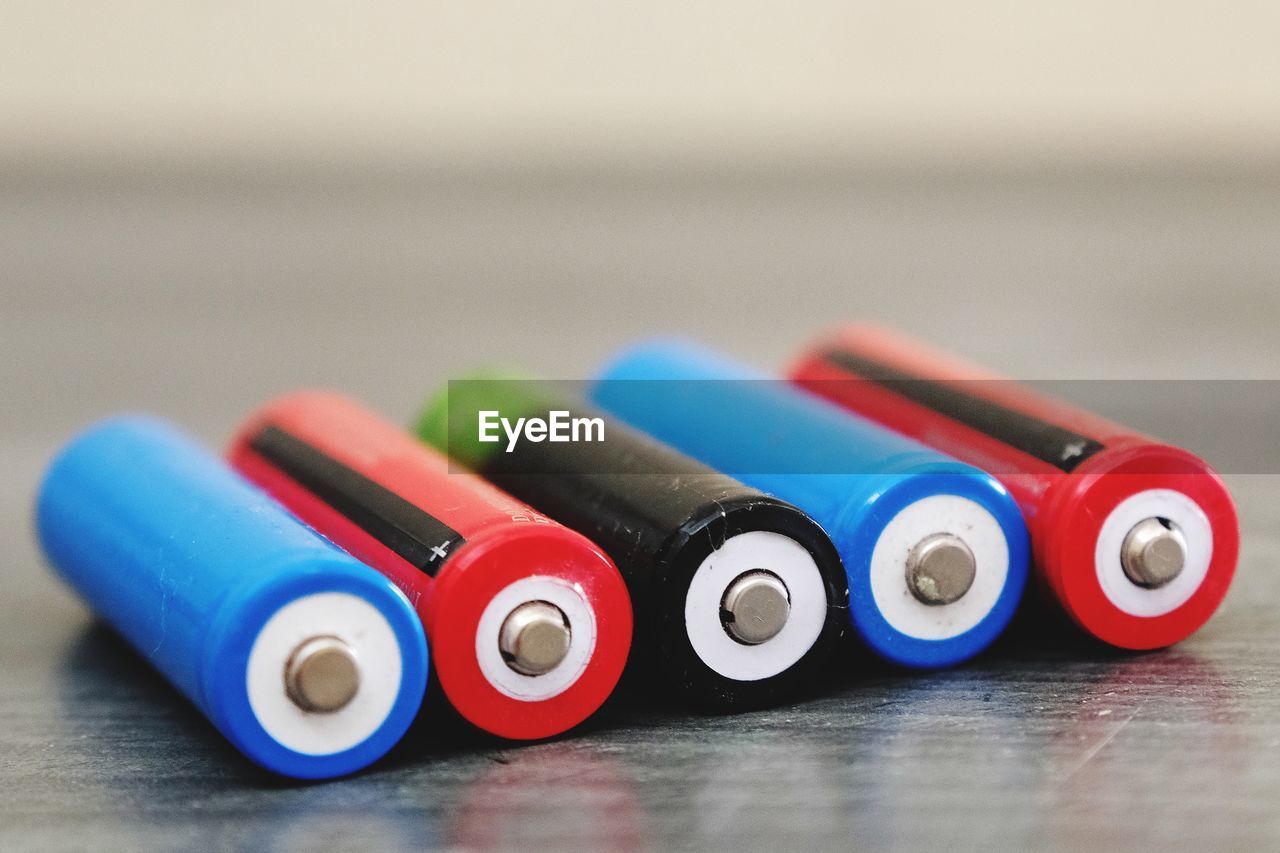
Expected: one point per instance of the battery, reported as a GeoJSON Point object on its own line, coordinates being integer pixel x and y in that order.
{"type": "Point", "coordinates": [529, 622]}
{"type": "Point", "coordinates": [935, 550]}
{"type": "Point", "coordinates": [739, 597]}
{"type": "Point", "coordinates": [311, 663]}
{"type": "Point", "coordinates": [1137, 540]}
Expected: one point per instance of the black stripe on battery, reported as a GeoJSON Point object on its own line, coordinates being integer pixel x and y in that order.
{"type": "Point", "coordinates": [418, 537]}
{"type": "Point", "coordinates": [1047, 442]}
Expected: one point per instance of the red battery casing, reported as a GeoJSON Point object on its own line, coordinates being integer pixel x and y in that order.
{"type": "Point", "coordinates": [1069, 470]}
{"type": "Point", "coordinates": [449, 540]}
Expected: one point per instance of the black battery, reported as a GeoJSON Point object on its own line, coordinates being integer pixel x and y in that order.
{"type": "Point", "coordinates": [739, 597]}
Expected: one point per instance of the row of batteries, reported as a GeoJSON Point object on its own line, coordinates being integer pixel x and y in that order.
{"type": "Point", "coordinates": [524, 567]}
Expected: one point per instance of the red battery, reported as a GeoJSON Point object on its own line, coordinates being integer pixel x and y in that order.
{"type": "Point", "coordinates": [529, 623]}
{"type": "Point", "coordinates": [1136, 539]}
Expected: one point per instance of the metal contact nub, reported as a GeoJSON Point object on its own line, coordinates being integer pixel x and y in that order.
{"type": "Point", "coordinates": [940, 569]}
{"type": "Point", "coordinates": [1154, 552]}
{"type": "Point", "coordinates": [755, 607]}
{"type": "Point", "coordinates": [534, 638]}
{"type": "Point", "coordinates": [322, 675]}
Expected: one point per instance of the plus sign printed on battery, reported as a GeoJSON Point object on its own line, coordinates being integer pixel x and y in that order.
{"type": "Point", "coordinates": [1072, 450]}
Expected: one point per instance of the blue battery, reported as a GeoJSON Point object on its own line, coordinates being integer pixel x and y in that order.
{"type": "Point", "coordinates": [936, 551]}
{"type": "Point", "coordinates": [311, 663]}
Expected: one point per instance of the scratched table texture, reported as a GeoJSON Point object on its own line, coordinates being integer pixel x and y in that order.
{"type": "Point", "coordinates": [198, 294]}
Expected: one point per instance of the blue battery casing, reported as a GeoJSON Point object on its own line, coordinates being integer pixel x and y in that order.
{"type": "Point", "coordinates": [188, 561]}
{"type": "Point", "coordinates": [783, 440]}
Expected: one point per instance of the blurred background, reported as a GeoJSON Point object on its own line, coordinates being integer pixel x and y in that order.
{"type": "Point", "coordinates": [204, 204]}
{"type": "Point", "coordinates": [401, 191]}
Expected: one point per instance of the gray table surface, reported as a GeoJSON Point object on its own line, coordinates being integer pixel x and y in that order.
{"type": "Point", "coordinates": [199, 294]}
